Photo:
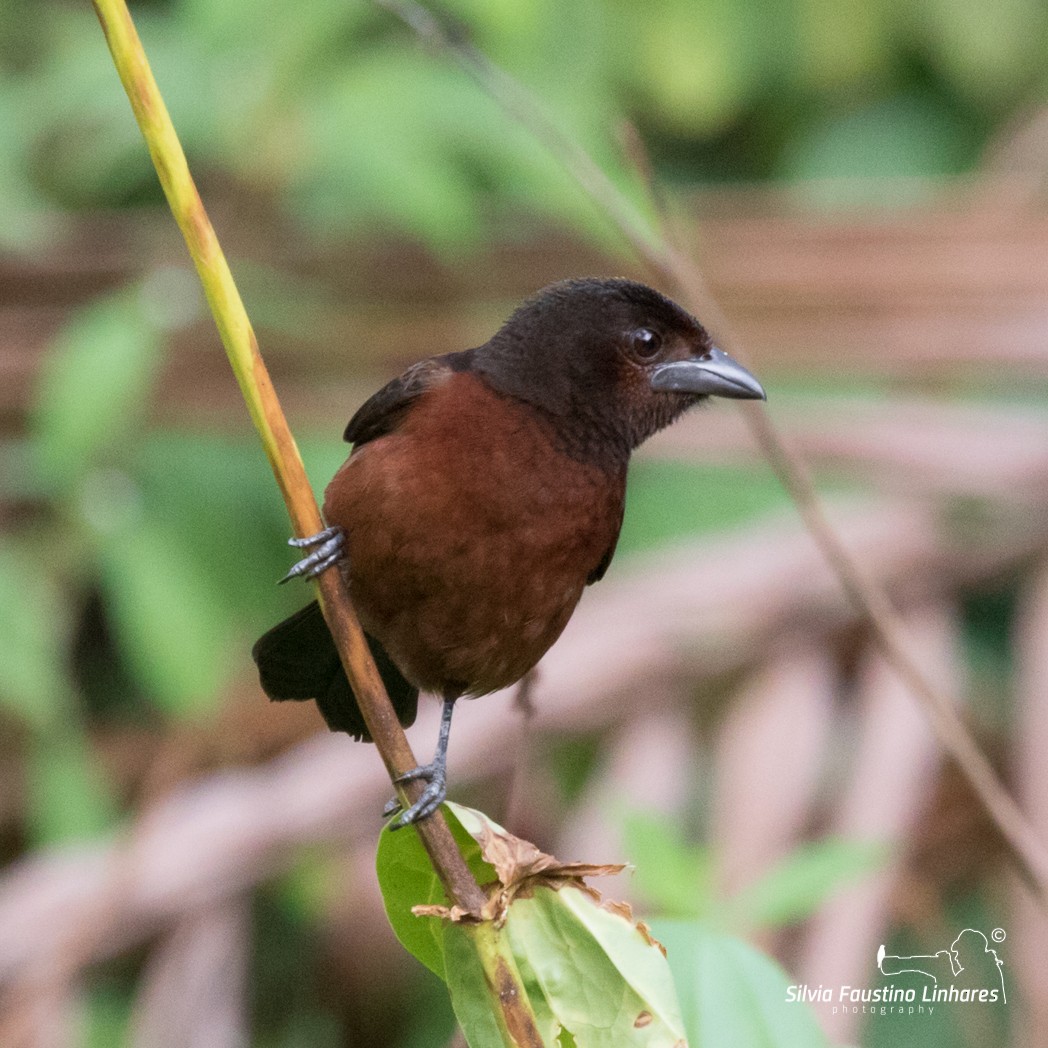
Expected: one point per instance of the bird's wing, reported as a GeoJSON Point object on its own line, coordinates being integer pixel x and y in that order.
{"type": "Point", "coordinates": [602, 566]}
{"type": "Point", "coordinates": [381, 413]}
{"type": "Point", "coordinates": [598, 572]}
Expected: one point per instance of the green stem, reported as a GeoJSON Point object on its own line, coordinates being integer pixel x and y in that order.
{"type": "Point", "coordinates": [515, 1017]}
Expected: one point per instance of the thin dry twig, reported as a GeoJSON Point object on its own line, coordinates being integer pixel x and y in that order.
{"type": "Point", "coordinates": [524, 707]}
{"type": "Point", "coordinates": [680, 270]}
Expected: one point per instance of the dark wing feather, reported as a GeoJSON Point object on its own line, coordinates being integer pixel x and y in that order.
{"type": "Point", "coordinates": [598, 572]}
{"type": "Point", "coordinates": [381, 414]}
{"type": "Point", "coordinates": [297, 660]}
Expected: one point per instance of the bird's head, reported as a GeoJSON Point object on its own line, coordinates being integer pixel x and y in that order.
{"type": "Point", "coordinates": [610, 362]}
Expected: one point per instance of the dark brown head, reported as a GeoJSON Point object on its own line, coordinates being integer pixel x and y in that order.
{"type": "Point", "coordinates": [609, 362]}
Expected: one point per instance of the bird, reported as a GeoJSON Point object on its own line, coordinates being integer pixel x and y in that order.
{"type": "Point", "coordinates": [483, 493]}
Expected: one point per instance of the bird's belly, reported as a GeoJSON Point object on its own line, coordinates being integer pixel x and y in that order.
{"type": "Point", "coordinates": [468, 579]}
{"type": "Point", "coordinates": [483, 638]}
{"type": "Point", "coordinates": [473, 616]}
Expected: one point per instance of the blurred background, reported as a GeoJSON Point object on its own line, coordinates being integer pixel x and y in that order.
{"type": "Point", "coordinates": [863, 185]}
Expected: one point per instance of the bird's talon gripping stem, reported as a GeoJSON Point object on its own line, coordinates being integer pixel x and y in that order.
{"type": "Point", "coordinates": [424, 771]}
{"type": "Point", "coordinates": [431, 799]}
{"type": "Point", "coordinates": [435, 774]}
{"type": "Point", "coordinates": [329, 550]}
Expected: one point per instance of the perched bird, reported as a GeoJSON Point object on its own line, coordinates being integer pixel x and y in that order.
{"type": "Point", "coordinates": [483, 493]}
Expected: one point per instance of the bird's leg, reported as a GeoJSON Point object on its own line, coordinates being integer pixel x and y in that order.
{"type": "Point", "coordinates": [328, 542]}
{"type": "Point", "coordinates": [435, 773]}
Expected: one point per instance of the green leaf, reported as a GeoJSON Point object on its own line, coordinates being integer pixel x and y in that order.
{"type": "Point", "coordinates": [689, 96]}
{"type": "Point", "coordinates": [599, 977]}
{"type": "Point", "coordinates": [94, 384]}
{"type": "Point", "coordinates": [453, 162]}
{"type": "Point", "coordinates": [839, 42]}
{"type": "Point", "coordinates": [731, 994]}
{"type": "Point", "coordinates": [32, 682]}
{"type": "Point", "coordinates": [68, 797]}
{"type": "Point", "coordinates": [802, 882]}
{"type": "Point", "coordinates": [218, 504]}
{"type": "Point", "coordinates": [985, 50]}
{"type": "Point", "coordinates": [311, 886]}
{"type": "Point", "coordinates": [668, 501]}
{"type": "Point", "coordinates": [411, 179]}
{"type": "Point", "coordinates": [108, 1014]}
{"type": "Point", "coordinates": [857, 157]}
{"type": "Point", "coordinates": [675, 877]}
{"type": "Point", "coordinates": [406, 879]}
{"type": "Point", "coordinates": [591, 977]}
{"type": "Point", "coordinates": [167, 615]}
{"type": "Point", "coordinates": [27, 218]}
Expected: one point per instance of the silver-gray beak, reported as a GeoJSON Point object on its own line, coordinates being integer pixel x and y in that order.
{"type": "Point", "coordinates": [714, 374]}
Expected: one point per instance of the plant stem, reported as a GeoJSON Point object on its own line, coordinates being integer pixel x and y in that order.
{"type": "Point", "coordinates": [516, 1017]}
{"type": "Point", "coordinates": [234, 327]}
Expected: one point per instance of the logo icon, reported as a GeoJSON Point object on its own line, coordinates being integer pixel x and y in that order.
{"type": "Point", "coordinates": [969, 970]}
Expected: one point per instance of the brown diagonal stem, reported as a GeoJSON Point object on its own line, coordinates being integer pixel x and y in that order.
{"type": "Point", "coordinates": [250, 370]}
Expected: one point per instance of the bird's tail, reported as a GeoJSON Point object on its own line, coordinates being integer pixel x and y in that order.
{"type": "Point", "coordinates": [297, 659]}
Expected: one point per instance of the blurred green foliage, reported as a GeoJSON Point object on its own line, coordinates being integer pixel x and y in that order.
{"type": "Point", "coordinates": [677, 877]}
{"type": "Point", "coordinates": [334, 110]}
{"type": "Point", "coordinates": [731, 993]}
{"type": "Point", "coordinates": [150, 557]}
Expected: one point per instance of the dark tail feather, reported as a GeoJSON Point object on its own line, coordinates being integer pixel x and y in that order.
{"type": "Point", "coordinates": [297, 659]}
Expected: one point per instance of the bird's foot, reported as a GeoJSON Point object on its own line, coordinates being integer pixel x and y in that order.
{"type": "Point", "coordinates": [329, 550]}
{"type": "Point", "coordinates": [431, 799]}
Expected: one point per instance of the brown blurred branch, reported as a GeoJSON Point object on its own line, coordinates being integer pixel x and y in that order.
{"type": "Point", "coordinates": [680, 270]}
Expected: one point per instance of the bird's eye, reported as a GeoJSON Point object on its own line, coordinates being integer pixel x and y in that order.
{"type": "Point", "coordinates": [645, 344]}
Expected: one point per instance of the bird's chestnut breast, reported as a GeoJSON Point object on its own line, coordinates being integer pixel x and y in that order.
{"type": "Point", "coordinates": [470, 536]}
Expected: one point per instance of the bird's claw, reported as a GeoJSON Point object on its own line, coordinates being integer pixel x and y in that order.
{"type": "Point", "coordinates": [329, 544]}
{"type": "Point", "coordinates": [431, 799]}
